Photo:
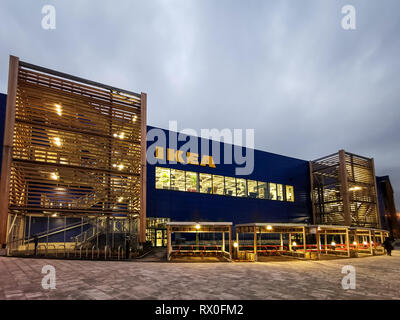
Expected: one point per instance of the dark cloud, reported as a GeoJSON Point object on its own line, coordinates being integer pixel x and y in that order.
{"type": "Point", "coordinates": [285, 68]}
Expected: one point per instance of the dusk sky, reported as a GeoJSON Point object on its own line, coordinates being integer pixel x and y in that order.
{"type": "Point", "coordinates": [284, 68]}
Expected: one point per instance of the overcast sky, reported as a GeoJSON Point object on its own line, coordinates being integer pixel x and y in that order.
{"type": "Point", "coordinates": [285, 68]}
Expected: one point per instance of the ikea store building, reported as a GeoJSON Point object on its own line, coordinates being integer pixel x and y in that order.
{"type": "Point", "coordinates": [76, 175]}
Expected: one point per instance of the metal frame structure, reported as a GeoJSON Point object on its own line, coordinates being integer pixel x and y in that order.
{"type": "Point", "coordinates": [199, 227]}
{"type": "Point", "coordinates": [285, 246]}
{"type": "Point", "coordinates": [316, 241]}
{"type": "Point", "coordinates": [343, 191]}
{"type": "Point", "coordinates": [72, 148]}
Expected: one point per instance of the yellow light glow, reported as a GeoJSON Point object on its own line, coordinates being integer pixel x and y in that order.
{"type": "Point", "coordinates": [269, 227]}
{"type": "Point", "coordinates": [355, 188]}
{"type": "Point", "coordinates": [355, 243]}
{"type": "Point", "coordinates": [365, 243]}
{"type": "Point", "coordinates": [54, 176]}
{"type": "Point", "coordinates": [59, 110]}
{"type": "Point", "coordinates": [319, 228]}
{"type": "Point", "coordinates": [197, 226]}
{"type": "Point", "coordinates": [115, 135]}
{"type": "Point", "coordinates": [235, 244]}
{"type": "Point", "coordinates": [333, 243]}
{"type": "Point", "coordinates": [120, 166]}
{"type": "Point", "coordinates": [57, 141]}
{"type": "Point", "coordinates": [114, 165]}
{"type": "Point", "coordinates": [54, 215]}
{"type": "Point", "coordinates": [120, 199]}
{"type": "Point", "coordinates": [122, 135]}
{"type": "Point", "coordinates": [294, 244]}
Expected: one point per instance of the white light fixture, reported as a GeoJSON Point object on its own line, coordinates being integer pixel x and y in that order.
{"type": "Point", "coordinates": [54, 176]}
{"type": "Point", "coordinates": [197, 226]}
{"type": "Point", "coordinates": [294, 244]}
{"type": "Point", "coordinates": [120, 199]}
{"type": "Point", "coordinates": [235, 244]}
{"type": "Point", "coordinates": [365, 243]}
{"type": "Point", "coordinates": [356, 188]}
{"type": "Point", "coordinates": [57, 141]}
{"type": "Point", "coordinates": [355, 243]}
{"type": "Point", "coordinates": [115, 135]}
{"type": "Point", "coordinates": [54, 215]}
{"type": "Point", "coordinates": [59, 110]}
{"type": "Point", "coordinates": [269, 227]}
{"type": "Point", "coordinates": [122, 135]}
{"type": "Point", "coordinates": [120, 166]}
{"type": "Point", "coordinates": [333, 243]}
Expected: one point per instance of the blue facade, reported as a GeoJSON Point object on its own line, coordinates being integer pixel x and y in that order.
{"type": "Point", "coordinates": [269, 167]}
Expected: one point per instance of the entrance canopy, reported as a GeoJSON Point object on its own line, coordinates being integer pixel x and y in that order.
{"type": "Point", "coordinates": [207, 248]}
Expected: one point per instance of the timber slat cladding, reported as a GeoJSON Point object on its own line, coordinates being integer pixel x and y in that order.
{"type": "Point", "coordinates": [76, 148]}
{"type": "Point", "coordinates": [328, 191]}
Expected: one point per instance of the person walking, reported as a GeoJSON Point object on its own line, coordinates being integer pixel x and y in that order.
{"type": "Point", "coordinates": [387, 244]}
{"type": "Point", "coordinates": [36, 242]}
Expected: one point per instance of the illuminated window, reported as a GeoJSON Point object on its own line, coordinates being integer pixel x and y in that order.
{"type": "Point", "coordinates": [218, 184]}
{"type": "Point", "coordinates": [262, 190]}
{"type": "Point", "coordinates": [241, 187]}
{"type": "Point", "coordinates": [177, 180]}
{"type": "Point", "coordinates": [192, 182]}
{"type": "Point", "coordinates": [163, 178]}
{"type": "Point", "coordinates": [289, 193]}
{"type": "Point", "coordinates": [272, 191]}
{"type": "Point", "coordinates": [205, 183]}
{"type": "Point", "coordinates": [280, 192]}
{"type": "Point", "coordinates": [252, 190]}
{"type": "Point", "coordinates": [230, 186]}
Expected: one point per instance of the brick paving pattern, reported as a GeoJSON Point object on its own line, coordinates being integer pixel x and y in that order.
{"type": "Point", "coordinates": [377, 278]}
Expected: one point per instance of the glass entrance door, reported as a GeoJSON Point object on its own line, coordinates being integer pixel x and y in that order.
{"type": "Point", "coordinates": [161, 238]}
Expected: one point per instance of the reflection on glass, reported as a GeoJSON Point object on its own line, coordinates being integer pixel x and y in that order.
{"type": "Point", "coordinates": [205, 183]}
{"type": "Point", "coordinates": [218, 184]}
{"type": "Point", "coordinates": [272, 191]}
{"type": "Point", "coordinates": [263, 190]}
{"type": "Point", "coordinates": [230, 186]}
{"type": "Point", "coordinates": [252, 190]}
{"type": "Point", "coordinates": [289, 193]}
{"type": "Point", "coordinates": [192, 182]}
{"type": "Point", "coordinates": [177, 180]}
{"type": "Point", "coordinates": [280, 192]}
{"type": "Point", "coordinates": [241, 187]}
{"type": "Point", "coordinates": [162, 178]}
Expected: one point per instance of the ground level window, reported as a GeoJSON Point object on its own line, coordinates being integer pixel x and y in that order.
{"type": "Point", "coordinates": [289, 193]}
{"type": "Point", "coordinates": [163, 178]}
{"type": "Point", "coordinates": [205, 183]}
{"type": "Point", "coordinates": [177, 180]}
{"type": "Point", "coordinates": [252, 189]}
{"type": "Point", "coordinates": [192, 182]}
{"type": "Point", "coordinates": [218, 184]}
{"type": "Point", "coordinates": [230, 186]}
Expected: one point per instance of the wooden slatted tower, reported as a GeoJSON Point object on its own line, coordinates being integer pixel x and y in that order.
{"type": "Point", "coordinates": [72, 147]}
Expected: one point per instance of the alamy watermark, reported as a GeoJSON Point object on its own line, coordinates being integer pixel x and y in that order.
{"type": "Point", "coordinates": [349, 280]}
{"type": "Point", "coordinates": [49, 280]}
{"type": "Point", "coordinates": [349, 20]}
{"type": "Point", "coordinates": [49, 18]}
{"type": "Point", "coordinates": [203, 149]}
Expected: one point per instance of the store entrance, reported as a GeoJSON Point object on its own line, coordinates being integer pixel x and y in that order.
{"type": "Point", "coordinates": [156, 231]}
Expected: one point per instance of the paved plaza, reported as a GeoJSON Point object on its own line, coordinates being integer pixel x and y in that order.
{"type": "Point", "coordinates": [376, 278]}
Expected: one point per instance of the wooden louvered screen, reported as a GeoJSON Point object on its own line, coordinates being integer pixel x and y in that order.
{"type": "Point", "coordinates": [344, 190]}
{"type": "Point", "coordinates": [77, 147]}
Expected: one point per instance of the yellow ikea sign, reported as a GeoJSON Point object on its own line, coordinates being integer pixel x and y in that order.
{"type": "Point", "coordinates": [191, 158]}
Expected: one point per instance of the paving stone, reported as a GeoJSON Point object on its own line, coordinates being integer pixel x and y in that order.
{"type": "Point", "coordinates": [376, 278]}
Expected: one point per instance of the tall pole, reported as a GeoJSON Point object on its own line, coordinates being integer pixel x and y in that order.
{"type": "Point", "coordinates": [8, 147]}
